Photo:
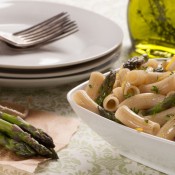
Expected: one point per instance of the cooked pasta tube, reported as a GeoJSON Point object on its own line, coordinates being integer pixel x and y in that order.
{"type": "Point", "coordinates": [151, 63]}
{"type": "Point", "coordinates": [110, 103]}
{"type": "Point", "coordinates": [122, 74]}
{"type": "Point", "coordinates": [130, 90]}
{"type": "Point", "coordinates": [83, 99]}
{"type": "Point", "coordinates": [136, 77]}
{"type": "Point", "coordinates": [118, 92]}
{"type": "Point", "coordinates": [116, 83]}
{"type": "Point", "coordinates": [139, 77]}
{"type": "Point", "coordinates": [163, 75]}
{"type": "Point", "coordinates": [142, 101]}
{"type": "Point", "coordinates": [162, 117]}
{"type": "Point", "coordinates": [170, 93]}
{"type": "Point", "coordinates": [132, 120]}
{"type": "Point", "coordinates": [163, 64]}
{"type": "Point", "coordinates": [162, 87]}
{"type": "Point", "coordinates": [95, 81]}
{"type": "Point", "coordinates": [168, 130]}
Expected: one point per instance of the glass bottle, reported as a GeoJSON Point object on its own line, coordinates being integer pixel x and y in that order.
{"type": "Point", "coordinates": [151, 25]}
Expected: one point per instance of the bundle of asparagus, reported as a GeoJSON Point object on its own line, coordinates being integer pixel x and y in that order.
{"type": "Point", "coordinates": [19, 136]}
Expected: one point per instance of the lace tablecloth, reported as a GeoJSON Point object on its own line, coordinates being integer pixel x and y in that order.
{"type": "Point", "coordinates": [87, 153]}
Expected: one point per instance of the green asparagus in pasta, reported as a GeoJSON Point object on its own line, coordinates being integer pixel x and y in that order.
{"type": "Point", "coordinates": [106, 87]}
{"type": "Point", "coordinates": [135, 62]}
{"type": "Point", "coordinates": [167, 103]}
{"type": "Point", "coordinates": [108, 114]}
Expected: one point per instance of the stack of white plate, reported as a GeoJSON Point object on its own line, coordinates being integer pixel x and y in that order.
{"type": "Point", "coordinates": [95, 47]}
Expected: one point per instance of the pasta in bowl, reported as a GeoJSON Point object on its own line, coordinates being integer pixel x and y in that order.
{"type": "Point", "coordinates": [133, 108]}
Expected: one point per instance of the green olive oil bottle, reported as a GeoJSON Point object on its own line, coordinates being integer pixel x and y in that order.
{"type": "Point", "coordinates": [151, 26]}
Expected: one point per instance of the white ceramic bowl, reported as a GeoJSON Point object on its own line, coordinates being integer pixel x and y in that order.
{"type": "Point", "coordinates": [149, 150]}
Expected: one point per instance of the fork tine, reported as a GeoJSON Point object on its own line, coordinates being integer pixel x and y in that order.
{"type": "Point", "coordinates": [54, 28]}
{"type": "Point", "coordinates": [44, 23]}
{"type": "Point", "coordinates": [58, 22]}
{"type": "Point", "coordinates": [54, 36]}
{"type": "Point", "coordinates": [55, 24]}
{"type": "Point", "coordinates": [62, 36]}
{"type": "Point", "coordinates": [59, 37]}
{"type": "Point", "coordinates": [54, 33]}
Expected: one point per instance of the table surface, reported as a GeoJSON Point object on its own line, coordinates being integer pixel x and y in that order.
{"type": "Point", "coordinates": [87, 153]}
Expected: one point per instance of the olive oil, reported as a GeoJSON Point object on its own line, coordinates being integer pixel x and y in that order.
{"type": "Point", "coordinates": [151, 25]}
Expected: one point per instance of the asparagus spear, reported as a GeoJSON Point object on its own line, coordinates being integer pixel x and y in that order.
{"type": "Point", "coordinates": [107, 114]}
{"type": "Point", "coordinates": [167, 103]}
{"type": "Point", "coordinates": [16, 133]}
{"type": "Point", "coordinates": [106, 87]}
{"type": "Point", "coordinates": [38, 134]}
{"type": "Point", "coordinates": [20, 148]}
{"type": "Point", "coordinates": [135, 62]}
{"type": "Point", "coordinates": [54, 154]}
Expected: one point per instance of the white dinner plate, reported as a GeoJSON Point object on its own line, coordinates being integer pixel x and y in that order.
{"type": "Point", "coordinates": [53, 81]}
{"type": "Point", "coordinates": [46, 73]}
{"type": "Point", "coordinates": [97, 35]}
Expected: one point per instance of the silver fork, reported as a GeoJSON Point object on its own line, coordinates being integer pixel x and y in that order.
{"type": "Point", "coordinates": [50, 30]}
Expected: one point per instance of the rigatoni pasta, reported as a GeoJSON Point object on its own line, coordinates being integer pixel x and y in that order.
{"type": "Point", "coordinates": [111, 103]}
{"type": "Point", "coordinates": [162, 117]}
{"type": "Point", "coordinates": [168, 130]}
{"type": "Point", "coordinates": [142, 96]}
{"type": "Point", "coordinates": [142, 101]}
{"type": "Point", "coordinates": [95, 81]}
{"type": "Point", "coordinates": [151, 63]}
{"type": "Point", "coordinates": [132, 120]}
{"type": "Point", "coordinates": [82, 99]}
{"type": "Point", "coordinates": [130, 90]}
{"type": "Point", "coordinates": [140, 77]}
{"type": "Point", "coordinates": [118, 92]}
{"type": "Point", "coordinates": [122, 75]}
{"type": "Point", "coordinates": [164, 86]}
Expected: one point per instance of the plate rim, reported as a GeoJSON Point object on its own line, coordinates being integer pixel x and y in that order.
{"type": "Point", "coordinates": [49, 73]}
{"type": "Point", "coordinates": [83, 60]}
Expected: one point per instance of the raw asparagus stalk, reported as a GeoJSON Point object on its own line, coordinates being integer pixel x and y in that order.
{"type": "Point", "coordinates": [167, 103]}
{"type": "Point", "coordinates": [38, 134]}
{"type": "Point", "coordinates": [20, 148]}
{"type": "Point", "coordinates": [106, 87]}
{"type": "Point", "coordinates": [54, 154]}
{"type": "Point", "coordinates": [16, 133]}
{"type": "Point", "coordinates": [107, 114]}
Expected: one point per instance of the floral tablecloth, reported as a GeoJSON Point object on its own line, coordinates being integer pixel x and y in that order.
{"type": "Point", "coordinates": [87, 153]}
